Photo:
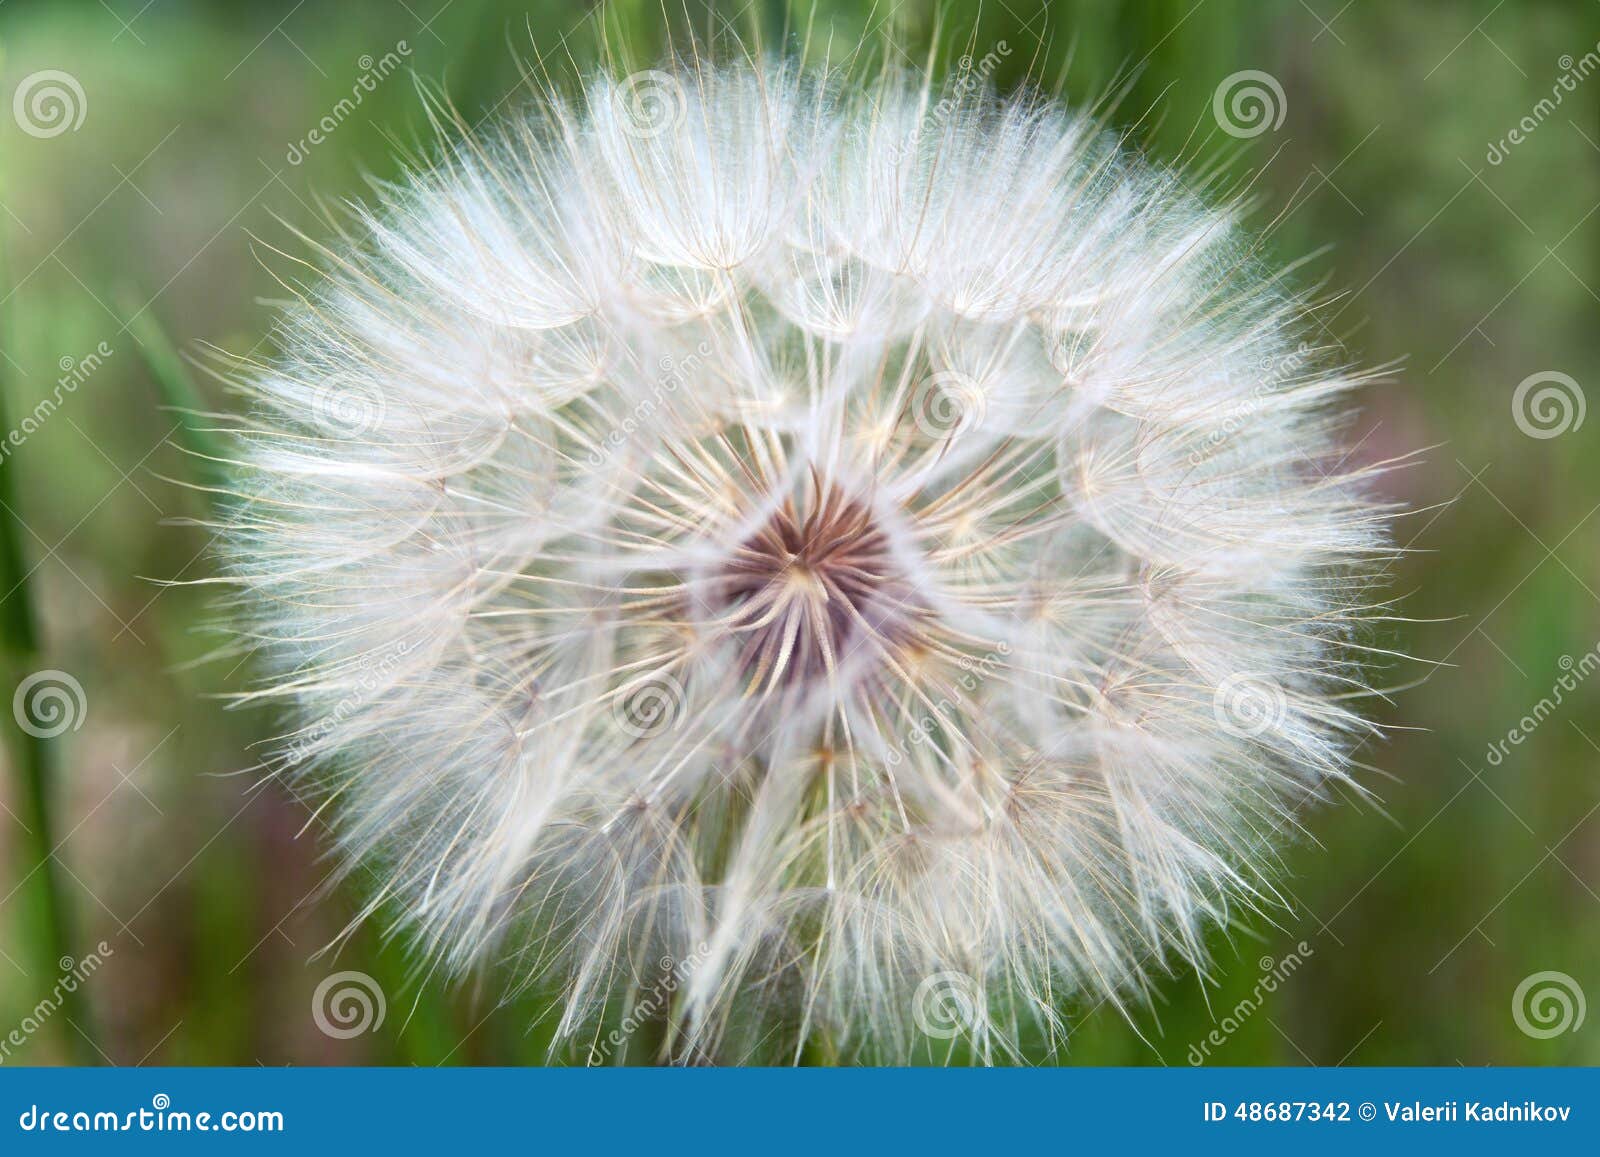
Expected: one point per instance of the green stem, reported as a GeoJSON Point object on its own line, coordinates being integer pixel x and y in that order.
{"type": "Point", "coordinates": [36, 762]}
{"type": "Point", "coordinates": [180, 395]}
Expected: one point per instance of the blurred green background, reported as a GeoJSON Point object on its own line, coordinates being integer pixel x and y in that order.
{"type": "Point", "coordinates": [1466, 257]}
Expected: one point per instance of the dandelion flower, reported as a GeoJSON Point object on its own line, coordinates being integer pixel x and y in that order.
{"type": "Point", "coordinates": [816, 561]}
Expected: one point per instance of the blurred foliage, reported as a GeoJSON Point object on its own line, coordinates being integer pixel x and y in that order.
{"type": "Point", "coordinates": [1421, 912]}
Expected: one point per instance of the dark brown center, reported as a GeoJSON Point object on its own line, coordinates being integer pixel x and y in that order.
{"type": "Point", "coordinates": [815, 592]}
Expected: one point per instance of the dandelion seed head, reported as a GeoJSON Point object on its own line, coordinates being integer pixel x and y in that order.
{"type": "Point", "coordinates": [759, 523]}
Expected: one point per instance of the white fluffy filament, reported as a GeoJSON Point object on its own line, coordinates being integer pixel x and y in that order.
{"type": "Point", "coordinates": [795, 542]}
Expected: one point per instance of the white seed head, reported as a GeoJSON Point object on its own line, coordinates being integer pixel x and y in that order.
{"type": "Point", "coordinates": [803, 541]}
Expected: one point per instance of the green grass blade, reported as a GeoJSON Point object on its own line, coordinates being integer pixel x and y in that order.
{"type": "Point", "coordinates": [36, 761]}
{"type": "Point", "coordinates": [202, 444]}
